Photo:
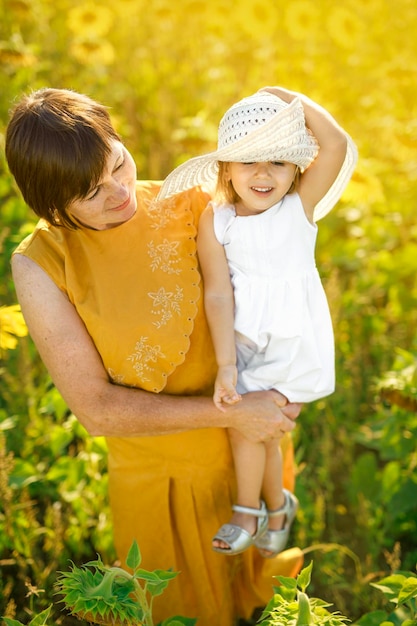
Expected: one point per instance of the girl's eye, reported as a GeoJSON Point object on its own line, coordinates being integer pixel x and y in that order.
{"type": "Point", "coordinates": [277, 162]}
{"type": "Point", "coordinates": [120, 165]}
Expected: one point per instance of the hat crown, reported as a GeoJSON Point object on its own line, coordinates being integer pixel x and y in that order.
{"type": "Point", "coordinates": [246, 116]}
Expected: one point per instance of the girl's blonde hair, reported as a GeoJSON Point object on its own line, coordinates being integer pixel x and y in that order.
{"type": "Point", "coordinates": [225, 192]}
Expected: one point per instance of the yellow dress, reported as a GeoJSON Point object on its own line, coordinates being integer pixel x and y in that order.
{"type": "Point", "coordinates": [137, 289]}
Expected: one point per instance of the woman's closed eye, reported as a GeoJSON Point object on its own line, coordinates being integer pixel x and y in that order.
{"type": "Point", "coordinates": [117, 167]}
{"type": "Point", "coordinates": [93, 194]}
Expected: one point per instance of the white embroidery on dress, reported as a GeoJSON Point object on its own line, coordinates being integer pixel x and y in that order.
{"type": "Point", "coordinates": [118, 379]}
{"type": "Point", "coordinates": [143, 356]}
{"type": "Point", "coordinates": [166, 303]}
{"type": "Point", "coordinates": [162, 212]}
{"type": "Point", "coordinates": [164, 256]}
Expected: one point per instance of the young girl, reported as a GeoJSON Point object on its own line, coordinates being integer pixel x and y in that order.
{"type": "Point", "coordinates": [282, 163]}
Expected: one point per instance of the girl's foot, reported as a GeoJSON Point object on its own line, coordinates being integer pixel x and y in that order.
{"type": "Point", "coordinates": [245, 527]}
{"type": "Point", "coordinates": [274, 540]}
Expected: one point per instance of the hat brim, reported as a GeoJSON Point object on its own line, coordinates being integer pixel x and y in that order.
{"type": "Point", "coordinates": [334, 194]}
{"type": "Point", "coordinates": [283, 137]}
{"type": "Point", "coordinates": [263, 145]}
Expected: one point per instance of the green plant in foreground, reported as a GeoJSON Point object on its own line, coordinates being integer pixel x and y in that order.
{"type": "Point", "coordinates": [102, 594]}
{"type": "Point", "coordinates": [401, 589]}
{"type": "Point", "coordinates": [290, 605]}
{"type": "Point", "coordinates": [38, 620]}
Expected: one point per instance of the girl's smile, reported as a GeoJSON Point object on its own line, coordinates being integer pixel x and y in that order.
{"type": "Point", "coordinates": [260, 185]}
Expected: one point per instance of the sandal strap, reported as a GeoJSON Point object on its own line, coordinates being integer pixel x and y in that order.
{"type": "Point", "coordinates": [261, 512]}
{"type": "Point", "coordinates": [286, 507]}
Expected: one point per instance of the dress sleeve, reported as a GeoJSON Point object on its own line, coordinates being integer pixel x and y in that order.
{"type": "Point", "coordinates": [223, 215]}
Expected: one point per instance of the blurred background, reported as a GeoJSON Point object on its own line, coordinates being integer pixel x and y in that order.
{"type": "Point", "coordinates": [168, 71]}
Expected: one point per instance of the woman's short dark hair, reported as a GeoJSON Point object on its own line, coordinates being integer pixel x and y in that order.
{"type": "Point", "coordinates": [57, 144]}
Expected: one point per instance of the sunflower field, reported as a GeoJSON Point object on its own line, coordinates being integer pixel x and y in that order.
{"type": "Point", "coordinates": [168, 71]}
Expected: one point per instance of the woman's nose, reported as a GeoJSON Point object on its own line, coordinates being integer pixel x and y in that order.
{"type": "Point", "coordinates": [118, 188]}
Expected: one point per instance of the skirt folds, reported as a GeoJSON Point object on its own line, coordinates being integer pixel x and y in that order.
{"type": "Point", "coordinates": [171, 493]}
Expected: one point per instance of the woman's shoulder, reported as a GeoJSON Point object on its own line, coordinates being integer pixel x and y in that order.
{"type": "Point", "coordinates": [43, 235]}
{"type": "Point", "coordinates": [192, 200]}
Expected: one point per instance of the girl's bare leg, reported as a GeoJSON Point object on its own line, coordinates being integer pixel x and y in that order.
{"type": "Point", "coordinates": [249, 460]}
{"type": "Point", "coordinates": [272, 486]}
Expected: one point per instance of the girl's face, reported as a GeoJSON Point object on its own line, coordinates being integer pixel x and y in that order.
{"type": "Point", "coordinates": [260, 185]}
{"type": "Point", "coordinates": [113, 200]}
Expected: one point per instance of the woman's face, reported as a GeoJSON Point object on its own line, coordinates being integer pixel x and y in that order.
{"type": "Point", "coordinates": [113, 200]}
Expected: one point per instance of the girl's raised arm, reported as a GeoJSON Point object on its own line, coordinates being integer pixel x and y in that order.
{"type": "Point", "coordinates": [336, 147]}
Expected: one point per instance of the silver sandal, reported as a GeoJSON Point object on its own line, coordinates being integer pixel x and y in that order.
{"type": "Point", "coordinates": [274, 541]}
{"type": "Point", "coordinates": [238, 539]}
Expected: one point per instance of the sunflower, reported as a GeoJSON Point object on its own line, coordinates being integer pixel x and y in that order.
{"type": "Point", "coordinates": [90, 20]}
{"type": "Point", "coordinates": [365, 186]}
{"type": "Point", "coordinates": [258, 18]}
{"type": "Point", "coordinates": [12, 325]}
{"type": "Point", "coordinates": [90, 51]}
{"type": "Point", "coordinates": [20, 8]}
{"type": "Point", "coordinates": [344, 27]}
{"type": "Point", "coordinates": [301, 19]}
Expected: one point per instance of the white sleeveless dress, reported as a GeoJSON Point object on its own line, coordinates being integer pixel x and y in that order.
{"type": "Point", "coordinates": [283, 328]}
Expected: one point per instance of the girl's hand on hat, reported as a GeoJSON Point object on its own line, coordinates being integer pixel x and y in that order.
{"type": "Point", "coordinates": [281, 92]}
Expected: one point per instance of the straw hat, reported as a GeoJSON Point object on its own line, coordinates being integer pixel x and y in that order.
{"type": "Point", "coordinates": [257, 129]}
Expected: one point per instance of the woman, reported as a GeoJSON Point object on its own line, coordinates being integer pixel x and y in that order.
{"type": "Point", "coordinates": [110, 289]}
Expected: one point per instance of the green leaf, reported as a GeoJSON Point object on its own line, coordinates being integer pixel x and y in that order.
{"type": "Point", "coordinates": [304, 577]}
{"type": "Point", "coordinates": [408, 591]}
{"type": "Point", "coordinates": [99, 564]}
{"type": "Point", "coordinates": [287, 588]}
{"type": "Point", "coordinates": [165, 574]}
{"type": "Point", "coordinates": [285, 581]}
{"type": "Point", "coordinates": [39, 620]}
{"type": "Point", "coordinates": [150, 577]}
{"type": "Point", "coordinates": [11, 622]}
{"type": "Point", "coordinates": [134, 556]}
{"type": "Point", "coordinates": [391, 586]}
{"type": "Point", "coordinates": [304, 611]}
{"type": "Point", "coordinates": [374, 618]}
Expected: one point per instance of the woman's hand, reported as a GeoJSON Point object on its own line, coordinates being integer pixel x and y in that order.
{"type": "Point", "coordinates": [263, 415]}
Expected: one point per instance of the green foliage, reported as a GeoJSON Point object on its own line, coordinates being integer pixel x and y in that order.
{"type": "Point", "coordinates": [38, 620]}
{"type": "Point", "coordinates": [291, 606]}
{"type": "Point", "coordinates": [53, 497]}
{"type": "Point", "coordinates": [110, 595]}
{"type": "Point", "coordinates": [168, 72]}
{"type": "Point", "coordinates": [400, 589]}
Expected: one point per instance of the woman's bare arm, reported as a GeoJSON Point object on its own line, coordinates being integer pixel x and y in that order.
{"type": "Point", "coordinates": [107, 409]}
